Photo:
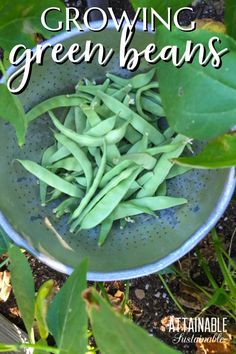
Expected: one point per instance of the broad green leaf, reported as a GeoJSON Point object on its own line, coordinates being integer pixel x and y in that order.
{"type": "Point", "coordinates": [67, 319]}
{"type": "Point", "coordinates": [41, 307]}
{"type": "Point", "coordinates": [11, 111]}
{"type": "Point", "coordinates": [161, 6]}
{"type": "Point", "coordinates": [20, 20]}
{"type": "Point", "coordinates": [23, 285]}
{"type": "Point", "coordinates": [199, 102]}
{"type": "Point", "coordinates": [112, 330]}
{"type": "Point", "coordinates": [230, 17]}
{"type": "Point", "coordinates": [4, 242]}
{"type": "Point", "coordinates": [219, 153]}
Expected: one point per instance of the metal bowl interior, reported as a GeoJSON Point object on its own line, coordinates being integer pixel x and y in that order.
{"type": "Point", "coordinates": [141, 248]}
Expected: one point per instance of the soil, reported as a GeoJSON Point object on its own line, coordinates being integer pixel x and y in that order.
{"type": "Point", "coordinates": [149, 302]}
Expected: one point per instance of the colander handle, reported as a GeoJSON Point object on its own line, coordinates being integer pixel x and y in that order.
{"type": "Point", "coordinates": [103, 4]}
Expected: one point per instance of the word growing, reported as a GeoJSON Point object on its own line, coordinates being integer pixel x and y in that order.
{"type": "Point", "coordinates": [129, 57]}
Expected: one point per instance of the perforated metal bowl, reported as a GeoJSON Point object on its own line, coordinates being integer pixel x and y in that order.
{"type": "Point", "coordinates": [142, 248]}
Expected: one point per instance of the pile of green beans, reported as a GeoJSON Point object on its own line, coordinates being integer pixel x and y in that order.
{"type": "Point", "coordinates": [111, 158]}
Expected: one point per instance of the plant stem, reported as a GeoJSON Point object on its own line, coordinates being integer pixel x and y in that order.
{"type": "Point", "coordinates": [4, 262]}
{"type": "Point", "coordinates": [206, 269]}
{"type": "Point", "coordinates": [103, 291]}
{"type": "Point", "coordinates": [171, 294]}
{"type": "Point", "coordinates": [126, 296]}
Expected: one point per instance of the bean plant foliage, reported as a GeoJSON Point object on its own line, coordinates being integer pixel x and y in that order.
{"type": "Point", "coordinates": [65, 316]}
{"type": "Point", "coordinates": [200, 101]}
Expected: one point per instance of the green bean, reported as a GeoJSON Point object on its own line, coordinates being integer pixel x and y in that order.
{"type": "Point", "coordinates": [140, 146]}
{"type": "Point", "coordinates": [82, 140]}
{"type": "Point", "coordinates": [112, 184]}
{"type": "Point", "coordinates": [138, 98]}
{"type": "Point", "coordinates": [136, 82]}
{"type": "Point", "coordinates": [113, 153]}
{"type": "Point", "coordinates": [45, 160]}
{"type": "Point", "coordinates": [113, 137]}
{"type": "Point", "coordinates": [105, 229]}
{"type": "Point", "coordinates": [52, 103]}
{"type": "Point", "coordinates": [79, 155]}
{"type": "Point", "coordinates": [50, 179]}
{"type": "Point", "coordinates": [95, 152]}
{"type": "Point", "coordinates": [115, 171]}
{"type": "Point", "coordinates": [168, 133]}
{"type": "Point", "coordinates": [102, 128]}
{"type": "Point", "coordinates": [177, 171]}
{"type": "Point", "coordinates": [59, 155]}
{"type": "Point", "coordinates": [94, 186]}
{"type": "Point", "coordinates": [68, 164]}
{"type": "Point", "coordinates": [108, 203]}
{"type": "Point", "coordinates": [69, 121]}
{"type": "Point", "coordinates": [151, 107]}
{"type": "Point", "coordinates": [161, 170]}
{"type": "Point", "coordinates": [116, 135]}
{"type": "Point", "coordinates": [145, 177]}
{"type": "Point", "coordinates": [80, 120]}
{"type": "Point", "coordinates": [91, 115]}
{"type": "Point", "coordinates": [154, 96]}
{"type": "Point", "coordinates": [132, 136]}
{"type": "Point", "coordinates": [67, 206]}
{"type": "Point", "coordinates": [162, 190]}
{"type": "Point", "coordinates": [142, 159]}
{"type": "Point", "coordinates": [139, 123]}
{"type": "Point", "coordinates": [165, 148]}
{"type": "Point", "coordinates": [133, 189]}
{"type": "Point", "coordinates": [81, 181]}
{"type": "Point", "coordinates": [132, 207]}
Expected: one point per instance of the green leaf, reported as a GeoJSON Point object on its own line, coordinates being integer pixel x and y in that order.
{"type": "Point", "coordinates": [67, 319]}
{"type": "Point", "coordinates": [41, 343]}
{"type": "Point", "coordinates": [4, 242]}
{"type": "Point", "coordinates": [11, 111]}
{"type": "Point", "coordinates": [112, 330]}
{"type": "Point", "coordinates": [41, 307]}
{"type": "Point", "coordinates": [23, 285]}
{"type": "Point", "coordinates": [161, 6]}
{"type": "Point", "coordinates": [199, 102]}
{"type": "Point", "coordinates": [230, 17]}
{"type": "Point", "coordinates": [219, 298]}
{"type": "Point", "coordinates": [20, 21]}
{"type": "Point", "coordinates": [219, 153]}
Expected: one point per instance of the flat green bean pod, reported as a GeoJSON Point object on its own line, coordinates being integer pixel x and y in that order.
{"type": "Point", "coordinates": [79, 155]}
{"type": "Point", "coordinates": [139, 123]}
{"type": "Point", "coordinates": [108, 203]}
{"type": "Point", "coordinates": [134, 207]}
{"type": "Point", "coordinates": [51, 179]}
{"type": "Point", "coordinates": [111, 185]}
{"type": "Point", "coordinates": [52, 103]}
{"type": "Point", "coordinates": [68, 164]}
{"type": "Point", "coordinates": [136, 82]}
{"type": "Point", "coordinates": [94, 186]}
{"type": "Point", "coordinates": [161, 170]}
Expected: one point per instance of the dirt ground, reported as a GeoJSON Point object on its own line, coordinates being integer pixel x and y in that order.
{"type": "Point", "coordinates": [149, 302]}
